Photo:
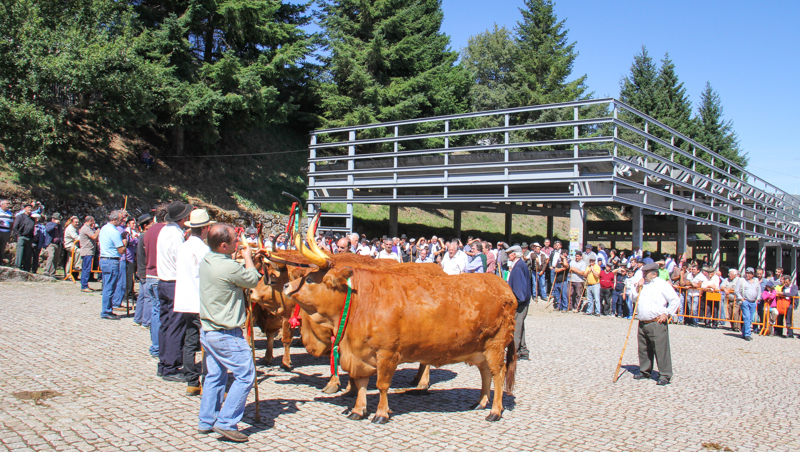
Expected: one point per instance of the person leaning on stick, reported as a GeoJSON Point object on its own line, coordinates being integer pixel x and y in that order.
{"type": "Point", "coordinates": [222, 314]}
{"type": "Point", "coordinates": [657, 301]}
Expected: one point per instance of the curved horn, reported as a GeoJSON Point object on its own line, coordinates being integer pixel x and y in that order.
{"type": "Point", "coordinates": [309, 254]}
{"type": "Point", "coordinates": [312, 231]}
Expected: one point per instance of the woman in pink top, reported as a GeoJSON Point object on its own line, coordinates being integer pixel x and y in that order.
{"type": "Point", "coordinates": [770, 296]}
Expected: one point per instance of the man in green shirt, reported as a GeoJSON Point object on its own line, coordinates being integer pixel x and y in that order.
{"type": "Point", "coordinates": [222, 314]}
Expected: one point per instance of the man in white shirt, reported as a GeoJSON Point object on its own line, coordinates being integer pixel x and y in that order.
{"type": "Point", "coordinates": [173, 326]}
{"type": "Point", "coordinates": [387, 253]}
{"type": "Point", "coordinates": [187, 294]}
{"type": "Point", "coordinates": [695, 280]}
{"type": "Point", "coordinates": [454, 261]}
{"type": "Point", "coordinates": [712, 284]}
{"type": "Point", "coordinates": [657, 302]}
{"type": "Point", "coordinates": [424, 257]}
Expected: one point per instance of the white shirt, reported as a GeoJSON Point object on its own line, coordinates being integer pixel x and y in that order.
{"type": "Point", "coordinates": [169, 239]}
{"type": "Point", "coordinates": [455, 265]}
{"type": "Point", "coordinates": [630, 283]}
{"type": "Point", "coordinates": [712, 283]}
{"type": "Point", "coordinates": [701, 278]}
{"type": "Point", "coordinates": [187, 284]}
{"type": "Point", "coordinates": [364, 250]}
{"type": "Point", "coordinates": [657, 297]}
{"type": "Point", "coordinates": [384, 255]}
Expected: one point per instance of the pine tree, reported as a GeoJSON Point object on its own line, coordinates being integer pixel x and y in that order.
{"type": "Point", "coordinates": [714, 132]}
{"type": "Point", "coordinates": [546, 58]}
{"type": "Point", "coordinates": [673, 106]}
{"type": "Point", "coordinates": [388, 61]}
{"type": "Point", "coordinates": [639, 88]}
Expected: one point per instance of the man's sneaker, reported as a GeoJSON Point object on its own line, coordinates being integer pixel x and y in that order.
{"type": "Point", "coordinates": [233, 435]}
{"type": "Point", "coordinates": [87, 290]}
{"type": "Point", "coordinates": [641, 376]}
{"type": "Point", "coordinates": [177, 378]}
{"type": "Point", "coordinates": [110, 317]}
{"type": "Point", "coordinates": [204, 431]}
{"type": "Point", "coordinates": [662, 382]}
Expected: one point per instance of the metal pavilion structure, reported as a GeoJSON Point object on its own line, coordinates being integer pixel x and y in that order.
{"type": "Point", "coordinates": [554, 160]}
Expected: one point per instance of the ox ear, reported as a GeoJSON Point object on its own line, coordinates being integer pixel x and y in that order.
{"type": "Point", "coordinates": [337, 278]}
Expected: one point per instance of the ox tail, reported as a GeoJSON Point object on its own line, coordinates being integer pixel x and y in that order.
{"type": "Point", "coordinates": [511, 367]}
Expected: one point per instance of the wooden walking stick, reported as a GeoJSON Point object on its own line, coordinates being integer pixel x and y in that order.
{"type": "Point", "coordinates": [125, 207]}
{"type": "Point", "coordinates": [627, 336]}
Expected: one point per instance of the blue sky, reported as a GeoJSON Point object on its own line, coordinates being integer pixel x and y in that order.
{"type": "Point", "coordinates": [749, 51]}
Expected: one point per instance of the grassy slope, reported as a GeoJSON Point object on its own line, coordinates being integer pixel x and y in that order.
{"type": "Point", "coordinates": [98, 172]}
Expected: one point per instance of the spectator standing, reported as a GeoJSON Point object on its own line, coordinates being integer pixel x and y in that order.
{"type": "Point", "coordinates": [24, 228]}
{"type": "Point", "coordinates": [112, 246]}
{"type": "Point", "coordinates": [478, 262]}
{"type": "Point", "coordinates": [388, 253]}
{"type": "Point", "coordinates": [39, 239]}
{"type": "Point", "coordinates": [602, 257]}
{"type": "Point", "coordinates": [695, 280]}
{"type": "Point", "coordinates": [546, 250]}
{"type": "Point", "coordinates": [424, 257]}
{"type": "Point", "coordinates": [54, 236]}
{"type": "Point", "coordinates": [151, 273]}
{"type": "Point", "coordinates": [354, 243]}
{"type": "Point", "coordinates": [554, 257]}
{"type": "Point", "coordinates": [519, 279]}
{"type": "Point", "coordinates": [577, 278]}
{"type": "Point", "coordinates": [491, 258]}
{"type": "Point", "coordinates": [593, 286]}
{"type": "Point", "coordinates": [130, 257]}
{"type": "Point", "coordinates": [72, 245]}
{"type": "Point", "coordinates": [748, 293]}
{"type": "Point", "coordinates": [647, 259]}
{"type": "Point", "coordinates": [144, 304]}
{"type": "Point", "coordinates": [618, 296]}
{"type": "Point", "coordinates": [561, 281]}
{"type": "Point", "coordinates": [728, 288]}
{"type": "Point", "coordinates": [786, 290]}
{"type": "Point", "coordinates": [187, 294]}
{"type": "Point", "coordinates": [455, 261]}
{"type": "Point", "coordinates": [122, 281]}
{"type": "Point", "coordinates": [712, 284]}
{"type": "Point", "coordinates": [607, 281]}
{"type": "Point", "coordinates": [173, 327]}
{"type": "Point", "coordinates": [87, 237]}
{"type": "Point", "coordinates": [770, 297]}
{"type": "Point", "coordinates": [502, 258]}
{"type": "Point", "coordinates": [6, 222]}
{"type": "Point", "coordinates": [222, 314]}
{"type": "Point", "coordinates": [538, 265]}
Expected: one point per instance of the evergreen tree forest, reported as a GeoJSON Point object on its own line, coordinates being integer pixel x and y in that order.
{"type": "Point", "coordinates": [198, 70]}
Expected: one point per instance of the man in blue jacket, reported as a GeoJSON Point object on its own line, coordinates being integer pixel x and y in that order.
{"type": "Point", "coordinates": [519, 279]}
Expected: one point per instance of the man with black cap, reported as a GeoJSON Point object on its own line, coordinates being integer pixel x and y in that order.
{"type": "Point", "coordinates": [657, 301]}
{"type": "Point", "coordinates": [173, 326]}
{"type": "Point", "coordinates": [53, 244]}
{"type": "Point", "coordinates": [519, 278]}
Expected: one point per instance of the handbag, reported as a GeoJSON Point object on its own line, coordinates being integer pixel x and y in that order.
{"type": "Point", "coordinates": [783, 304]}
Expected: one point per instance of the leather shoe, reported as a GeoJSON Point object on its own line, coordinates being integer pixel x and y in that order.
{"type": "Point", "coordinates": [204, 431]}
{"type": "Point", "coordinates": [194, 390]}
{"type": "Point", "coordinates": [178, 378]}
{"type": "Point", "coordinates": [87, 290]}
{"type": "Point", "coordinates": [524, 357]}
{"type": "Point", "coordinates": [110, 317]}
{"type": "Point", "coordinates": [641, 376]}
{"type": "Point", "coordinates": [233, 435]}
{"type": "Point", "coordinates": [662, 382]}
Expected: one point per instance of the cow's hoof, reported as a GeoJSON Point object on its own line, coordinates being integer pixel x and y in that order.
{"type": "Point", "coordinates": [355, 416]}
{"type": "Point", "coordinates": [477, 406]}
{"type": "Point", "coordinates": [330, 389]}
{"type": "Point", "coordinates": [380, 419]}
{"type": "Point", "coordinates": [493, 417]}
{"type": "Point", "coordinates": [286, 367]}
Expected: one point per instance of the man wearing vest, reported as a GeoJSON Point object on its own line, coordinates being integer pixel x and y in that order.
{"type": "Point", "coordinates": [520, 281]}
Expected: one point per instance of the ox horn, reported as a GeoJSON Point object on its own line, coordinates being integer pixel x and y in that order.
{"type": "Point", "coordinates": [312, 251]}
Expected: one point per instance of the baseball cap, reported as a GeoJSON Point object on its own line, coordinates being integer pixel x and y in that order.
{"type": "Point", "coordinates": [749, 270]}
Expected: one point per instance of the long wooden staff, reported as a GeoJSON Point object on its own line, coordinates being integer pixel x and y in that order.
{"type": "Point", "coordinates": [249, 323]}
{"type": "Point", "coordinates": [125, 207]}
{"type": "Point", "coordinates": [627, 336]}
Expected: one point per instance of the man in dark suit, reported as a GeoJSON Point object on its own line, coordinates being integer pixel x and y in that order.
{"type": "Point", "coordinates": [519, 279]}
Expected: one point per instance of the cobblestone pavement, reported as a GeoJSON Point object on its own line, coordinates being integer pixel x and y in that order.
{"type": "Point", "coordinates": [726, 393]}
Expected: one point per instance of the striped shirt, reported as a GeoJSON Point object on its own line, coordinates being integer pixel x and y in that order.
{"type": "Point", "coordinates": [6, 220]}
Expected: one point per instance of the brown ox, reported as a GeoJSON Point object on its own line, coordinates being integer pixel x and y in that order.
{"type": "Point", "coordinates": [277, 308]}
{"type": "Point", "coordinates": [410, 318]}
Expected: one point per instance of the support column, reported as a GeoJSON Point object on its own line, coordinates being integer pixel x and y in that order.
{"type": "Point", "coordinates": [794, 264]}
{"type": "Point", "coordinates": [457, 223]}
{"type": "Point", "coordinates": [550, 229]}
{"type": "Point", "coordinates": [393, 220]}
{"type": "Point", "coordinates": [714, 258]}
{"type": "Point", "coordinates": [742, 253]}
{"type": "Point", "coordinates": [508, 227]}
{"type": "Point", "coordinates": [638, 229]}
{"type": "Point", "coordinates": [762, 253]}
{"type": "Point", "coordinates": [779, 256]}
{"type": "Point", "coordinates": [577, 225]}
{"type": "Point", "coordinates": [349, 220]}
{"type": "Point", "coordinates": [681, 245]}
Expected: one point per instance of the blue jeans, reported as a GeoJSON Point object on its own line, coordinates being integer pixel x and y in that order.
{"type": "Point", "coordinates": [748, 312]}
{"type": "Point", "coordinates": [144, 310]}
{"type": "Point", "coordinates": [226, 350]}
{"type": "Point", "coordinates": [692, 305]}
{"type": "Point", "coordinates": [110, 269]}
{"type": "Point", "coordinates": [616, 303]}
{"type": "Point", "coordinates": [540, 281]}
{"type": "Point", "coordinates": [560, 292]}
{"type": "Point", "coordinates": [86, 271]}
{"type": "Point", "coordinates": [151, 289]}
{"type": "Point", "coordinates": [119, 289]}
{"type": "Point", "coordinates": [593, 299]}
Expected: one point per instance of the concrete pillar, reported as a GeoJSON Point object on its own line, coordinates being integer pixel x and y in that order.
{"type": "Point", "coordinates": [393, 220]}
{"type": "Point", "coordinates": [742, 253]}
{"type": "Point", "coordinates": [779, 256]}
{"type": "Point", "coordinates": [550, 228]}
{"type": "Point", "coordinates": [762, 253]}
{"type": "Point", "coordinates": [681, 245]}
{"type": "Point", "coordinates": [714, 259]}
{"type": "Point", "coordinates": [457, 223]}
{"type": "Point", "coordinates": [508, 227]}
{"type": "Point", "coordinates": [577, 224]}
{"type": "Point", "coordinates": [794, 264]}
{"type": "Point", "coordinates": [349, 219]}
{"type": "Point", "coordinates": [638, 229]}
